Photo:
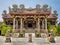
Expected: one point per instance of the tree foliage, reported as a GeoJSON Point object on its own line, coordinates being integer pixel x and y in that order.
{"type": "Point", "coordinates": [58, 28]}
{"type": "Point", "coordinates": [4, 28]}
{"type": "Point", "coordinates": [48, 25]}
{"type": "Point", "coordinates": [53, 28]}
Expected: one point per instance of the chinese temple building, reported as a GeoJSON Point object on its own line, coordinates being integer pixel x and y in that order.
{"type": "Point", "coordinates": [29, 19]}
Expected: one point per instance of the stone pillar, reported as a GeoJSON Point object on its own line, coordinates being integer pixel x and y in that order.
{"type": "Point", "coordinates": [13, 24]}
{"type": "Point", "coordinates": [46, 24]}
{"type": "Point", "coordinates": [38, 24]}
{"type": "Point", "coordinates": [43, 24]}
{"type": "Point", "coordinates": [21, 24]}
{"type": "Point", "coordinates": [16, 24]}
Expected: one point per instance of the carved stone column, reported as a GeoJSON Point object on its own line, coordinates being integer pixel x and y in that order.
{"type": "Point", "coordinates": [46, 24]}
{"type": "Point", "coordinates": [13, 24]}
{"type": "Point", "coordinates": [21, 24]}
{"type": "Point", "coordinates": [43, 24]}
{"type": "Point", "coordinates": [38, 24]}
{"type": "Point", "coordinates": [16, 25]}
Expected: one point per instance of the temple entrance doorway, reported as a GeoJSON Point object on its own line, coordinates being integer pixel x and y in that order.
{"type": "Point", "coordinates": [30, 24]}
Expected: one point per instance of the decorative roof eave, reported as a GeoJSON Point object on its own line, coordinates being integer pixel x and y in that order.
{"type": "Point", "coordinates": [5, 18]}
{"type": "Point", "coordinates": [53, 18]}
{"type": "Point", "coordinates": [30, 14]}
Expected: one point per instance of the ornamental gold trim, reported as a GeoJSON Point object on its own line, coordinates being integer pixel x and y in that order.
{"type": "Point", "coordinates": [17, 16]}
{"type": "Point", "coordinates": [35, 17]}
{"type": "Point", "coordinates": [12, 16]}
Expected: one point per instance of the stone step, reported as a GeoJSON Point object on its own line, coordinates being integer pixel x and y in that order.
{"type": "Point", "coordinates": [29, 31]}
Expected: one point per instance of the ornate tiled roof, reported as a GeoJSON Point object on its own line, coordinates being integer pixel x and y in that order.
{"type": "Point", "coordinates": [45, 9]}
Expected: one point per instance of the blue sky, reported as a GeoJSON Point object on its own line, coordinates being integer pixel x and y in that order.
{"type": "Point", "coordinates": [55, 4]}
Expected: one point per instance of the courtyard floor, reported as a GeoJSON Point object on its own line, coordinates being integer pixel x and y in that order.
{"type": "Point", "coordinates": [24, 41]}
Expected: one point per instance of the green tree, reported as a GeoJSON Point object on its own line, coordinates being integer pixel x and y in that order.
{"type": "Point", "coordinates": [58, 28]}
{"type": "Point", "coordinates": [51, 27]}
{"type": "Point", "coordinates": [48, 25]}
{"type": "Point", "coordinates": [54, 29]}
{"type": "Point", "coordinates": [9, 28]}
{"type": "Point", "coordinates": [4, 28]}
